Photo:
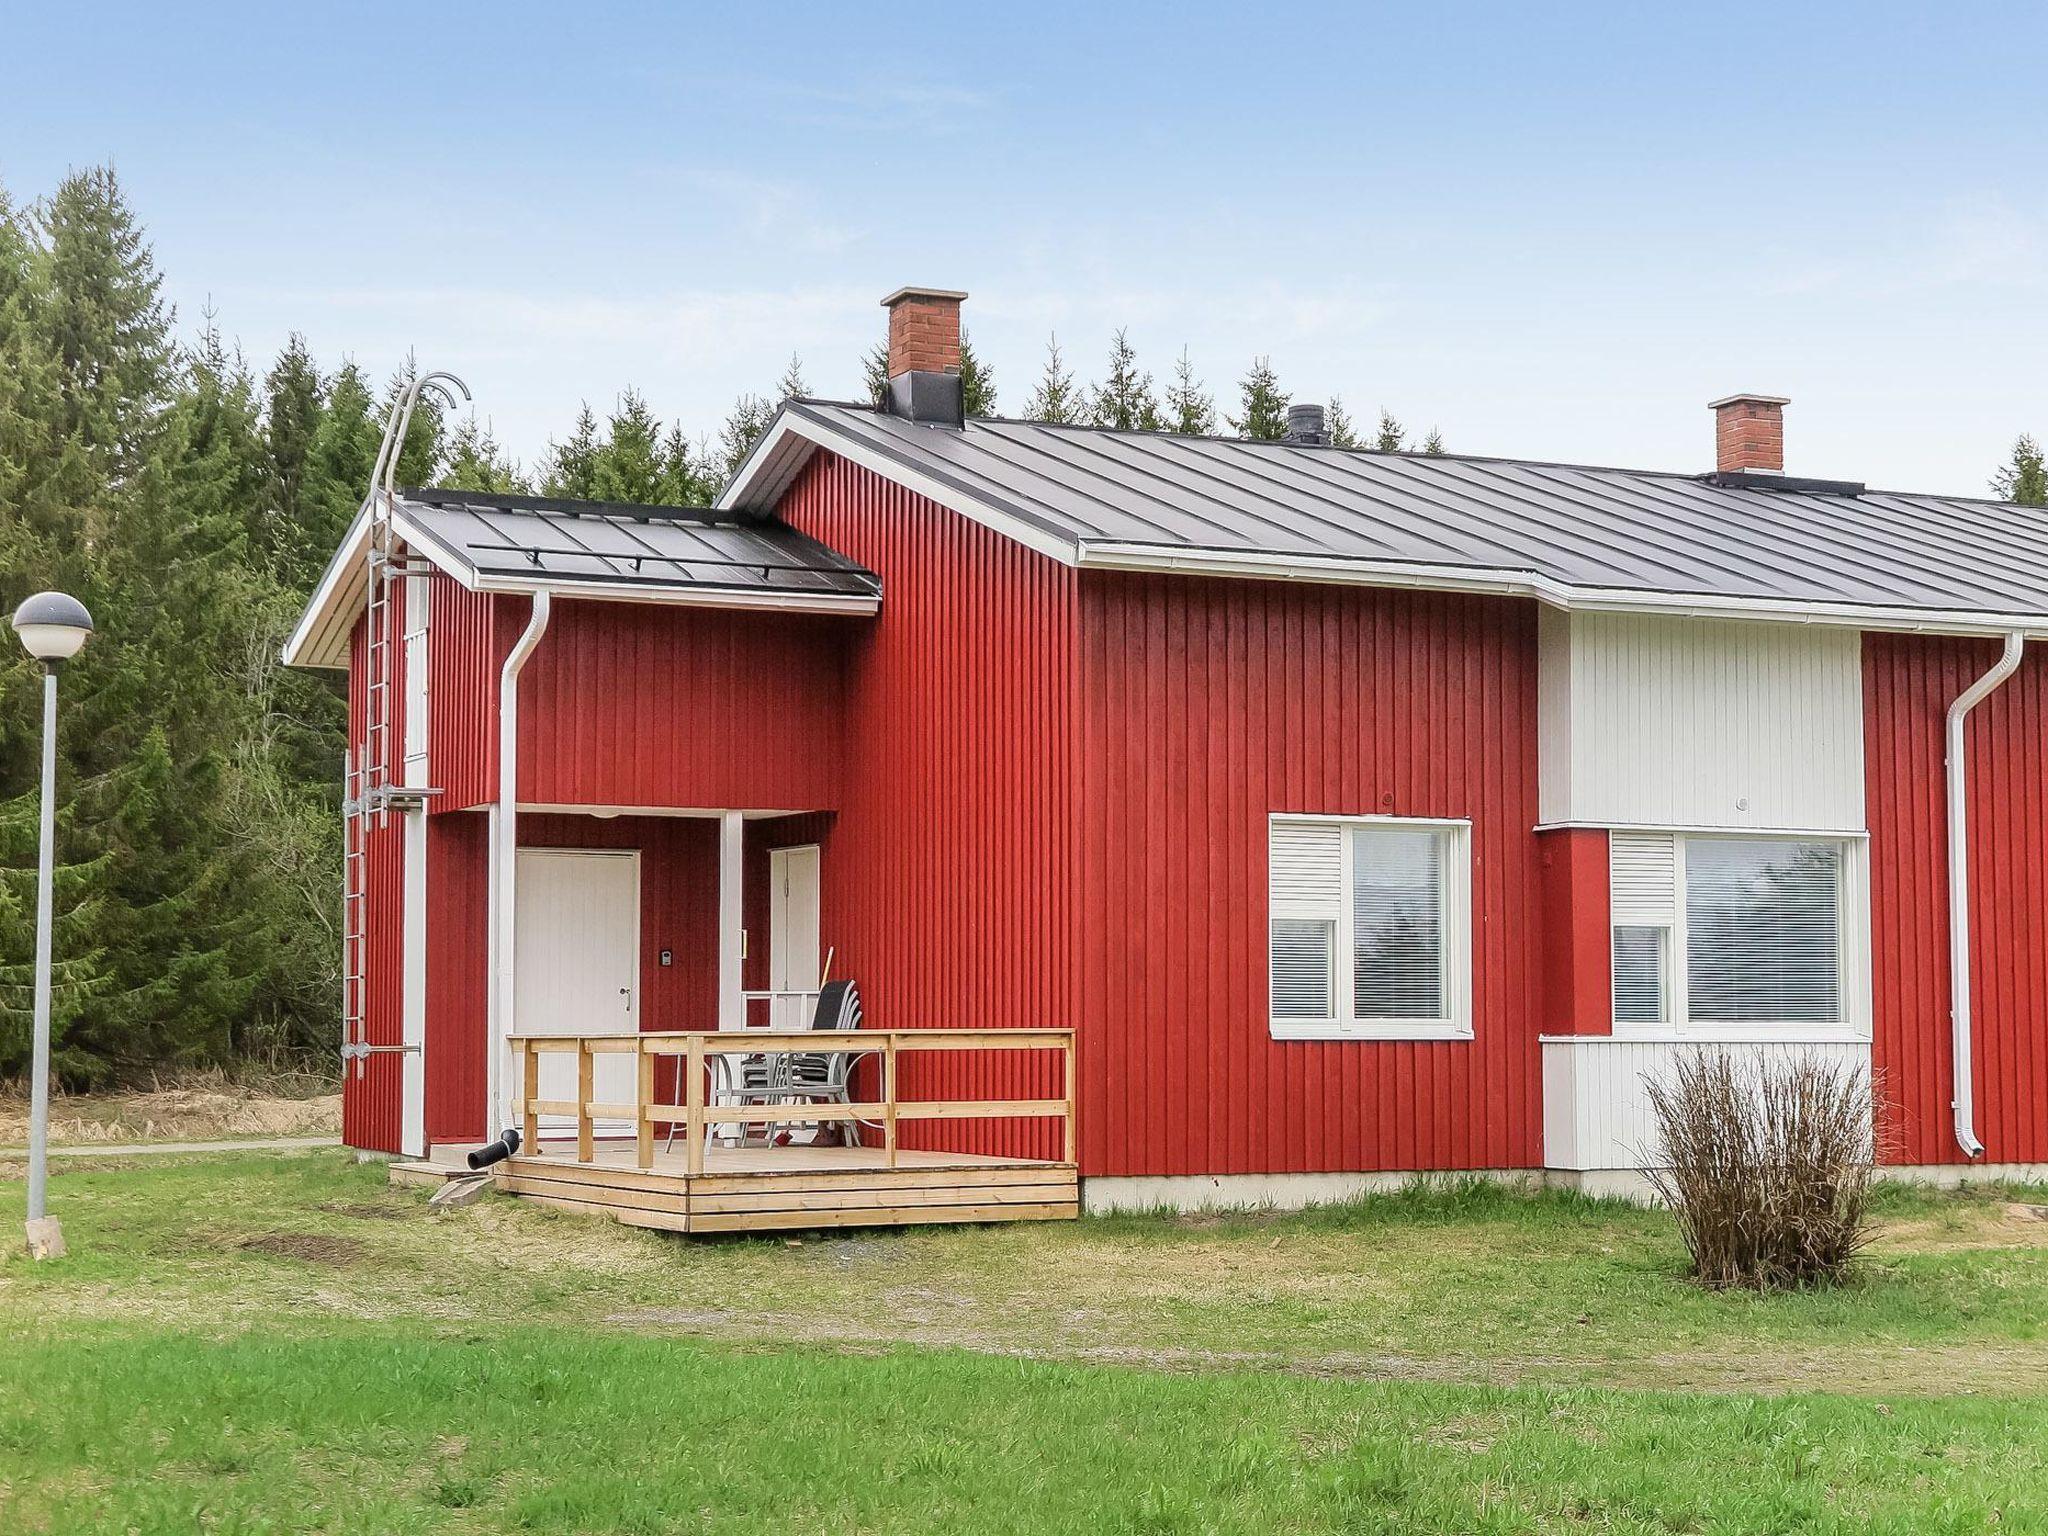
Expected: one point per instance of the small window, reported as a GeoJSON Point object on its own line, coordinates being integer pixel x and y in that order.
{"type": "Point", "coordinates": [1370, 920]}
{"type": "Point", "coordinates": [1725, 932]}
{"type": "Point", "coordinates": [1641, 974]}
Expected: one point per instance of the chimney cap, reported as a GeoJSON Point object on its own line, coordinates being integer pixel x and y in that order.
{"type": "Point", "coordinates": [901, 294]}
{"type": "Point", "coordinates": [1306, 426]}
{"type": "Point", "coordinates": [1748, 399]}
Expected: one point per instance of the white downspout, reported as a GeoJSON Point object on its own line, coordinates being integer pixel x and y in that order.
{"type": "Point", "coordinates": [1959, 891]}
{"type": "Point", "coordinates": [504, 857]}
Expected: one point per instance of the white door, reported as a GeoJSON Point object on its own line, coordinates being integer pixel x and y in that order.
{"type": "Point", "coordinates": [793, 932]}
{"type": "Point", "coordinates": [576, 965]}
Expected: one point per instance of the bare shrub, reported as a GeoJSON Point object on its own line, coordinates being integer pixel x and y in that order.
{"type": "Point", "coordinates": [1768, 1165]}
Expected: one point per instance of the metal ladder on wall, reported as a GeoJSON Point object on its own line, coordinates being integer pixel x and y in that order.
{"type": "Point", "coordinates": [370, 790]}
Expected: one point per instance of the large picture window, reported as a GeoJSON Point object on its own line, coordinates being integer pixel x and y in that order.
{"type": "Point", "coordinates": [1370, 927]}
{"type": "Point", "coordinates": [1731, 934]}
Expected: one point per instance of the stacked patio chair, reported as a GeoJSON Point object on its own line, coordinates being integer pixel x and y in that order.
{"type": "Point", "coordinates": [788, 1077]}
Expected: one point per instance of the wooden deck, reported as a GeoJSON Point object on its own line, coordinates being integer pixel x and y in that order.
{"type": "Point", "coordinates": [704, 1187]}
{"type": "Point", "coordinates": [744, 1189]}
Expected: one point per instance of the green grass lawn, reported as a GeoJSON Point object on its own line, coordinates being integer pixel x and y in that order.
{"type": "Point", "coordinates": [256, 1343]}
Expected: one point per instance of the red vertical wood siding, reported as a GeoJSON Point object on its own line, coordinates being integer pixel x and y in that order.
{"type": "Point", "coordinates": [1909, 682]}
{"type": "Point", "coordinates": [1578, 959]}
{"type": "Point", "coordinates": [1212, 704]}
{"type": "Point", "coordinates": [370, 1098]}
{"type": "Point", "coordinates": [458, 976]}
{"type": "Point", "coordinates": [950, 872]}
{"type": "Point", "coordinates": [637, 704]}
{"type": "Point", "coordinates": [463, 658]}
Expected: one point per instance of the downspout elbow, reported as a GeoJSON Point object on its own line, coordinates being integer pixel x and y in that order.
{"type": "Point", "coordinates": [1961, 1043]}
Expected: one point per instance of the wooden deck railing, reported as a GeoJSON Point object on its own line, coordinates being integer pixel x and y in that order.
{"type": "Point", "coordinates": [693, 1049]}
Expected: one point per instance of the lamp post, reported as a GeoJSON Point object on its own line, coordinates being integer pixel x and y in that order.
{"type": "Point", "coordinates": [54, 628]}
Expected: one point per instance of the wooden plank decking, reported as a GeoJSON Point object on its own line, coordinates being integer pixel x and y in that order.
{"type": "Point", "coordinates": [786, 1188]}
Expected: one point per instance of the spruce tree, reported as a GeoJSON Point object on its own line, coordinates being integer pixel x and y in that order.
{"type": "Point", "coordinates": [1263, 404]}
{"type": "Point", "coordinates": [337, 477]}
{"type": "Point", "coordinates": [686, 476]}
{"type": "Point", "coordinates": [1434, 443]}
{"type": "Point", "coordinates": [1057, 400]}
{"type": "Point", "coordinates": [1337, 422]}
{"type": "Point", "coordinates": [874, 372]}
{"type": "Point", "coordinates": [293, 397]}
{"type": "Point", "coordinates": [571, 467]}
{"type": "Point", "coordinates": [743, 428]}
{"type": "Point", "coordinates": [977, 381]}
{"type": "Point", "coordinates": [1391, 437]}
{"type": "Point", "coordinates": [1124, 399]}
{"type": "Point", "coordinates": [628, 466]}
{"type": "Point", "coordinates": [1189, 408]}
{"type": "Point", "coordinates": [791, 386]}
{"type": "Point", "coordinates": [2024, 478]}
{"type": "Point", "coordinates": [477, 463]}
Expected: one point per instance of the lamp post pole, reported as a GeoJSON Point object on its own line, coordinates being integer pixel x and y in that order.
{"type": "Point", "coordinates": [43, 1233]}
{"type": "Point", "coordinates": [53, 627]}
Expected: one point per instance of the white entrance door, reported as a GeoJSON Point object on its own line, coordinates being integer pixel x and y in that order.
{"type": "Point", "coordinates": [576, 965]}
{"type": "Point", "coordinates": [793, 932]}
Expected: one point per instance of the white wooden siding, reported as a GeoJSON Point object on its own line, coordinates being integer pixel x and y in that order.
{"type": "Point", "coordinates": [1596, 1108]}
{"type": "Point", "coordinates": [1664, 722]}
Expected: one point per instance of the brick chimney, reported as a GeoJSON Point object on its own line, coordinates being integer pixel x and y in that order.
{"type": "Point", "coordinates": [1749, 434]}
{"type": "Point", "coordinates": [924, 355]}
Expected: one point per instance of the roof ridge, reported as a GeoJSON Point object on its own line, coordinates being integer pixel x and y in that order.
{"type": "Point", "coordinates": [1406, 455]}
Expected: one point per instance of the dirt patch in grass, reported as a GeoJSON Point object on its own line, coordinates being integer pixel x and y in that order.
{"type": "Point", "coordinates": [205, 1107]}
{"type": "Point", "coordinates": [1968, 1227]}
{"type": "Point", "coordinates": [313, 1247]}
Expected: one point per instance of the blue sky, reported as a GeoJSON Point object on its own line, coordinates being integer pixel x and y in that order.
{"type": "Point", "coordinates": [1552, 231]}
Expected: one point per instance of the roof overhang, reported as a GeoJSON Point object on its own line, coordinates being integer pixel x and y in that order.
{"type": "Point", "coordinates": [797, 434]}
{"type": "Point", "coordinates": [321, 637]}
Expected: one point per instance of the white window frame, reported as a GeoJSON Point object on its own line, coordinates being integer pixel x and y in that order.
{"type": "Point", "coordinates": [1853, 954]}
{"type": "Point", "coordinates": [1455, 926]}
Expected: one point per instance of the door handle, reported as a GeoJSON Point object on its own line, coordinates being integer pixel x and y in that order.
{"type": "Point", "coordinates": [627, 994]}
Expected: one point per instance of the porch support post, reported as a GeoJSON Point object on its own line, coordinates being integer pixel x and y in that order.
{"type": "Point", "coordinates": [732, 1007]}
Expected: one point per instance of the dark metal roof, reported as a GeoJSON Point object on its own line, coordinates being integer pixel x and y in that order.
{"type": "Point", "coordinates": [561, 543]}
{"type": "Point", "coordinates": [1582, 527]}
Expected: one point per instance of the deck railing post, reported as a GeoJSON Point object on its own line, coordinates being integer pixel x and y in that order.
{"type": "Point", "coordinates": [889, 1098]}
{"type": "Point", "coordinates": [529, 1090]}
{"type": "Point", "coordinates": [693, 1102]}
{"type": "Point", "coordinates": [586, 1134]}
{"type": "Point", "coordinates": [1072, 1133]}
{"type": "Point", "coordinates": [643, 1106]}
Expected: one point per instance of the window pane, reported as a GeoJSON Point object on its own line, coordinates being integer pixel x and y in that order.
{"type": "Point", "coordinates": [1639, 961]}
{"type": "Point", "coordinates": [1763, 939]}
{"type": "Point", "coordinates": [1303, 949]}
{"type": "Point", "coordinates": [1397, 923]}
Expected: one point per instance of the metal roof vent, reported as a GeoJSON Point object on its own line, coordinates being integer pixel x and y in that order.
{"type": "Point", "coordinates": [1305, 425]}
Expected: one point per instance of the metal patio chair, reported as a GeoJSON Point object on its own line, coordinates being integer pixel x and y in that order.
{"type": "Point", "coordinates": [775, 1076]}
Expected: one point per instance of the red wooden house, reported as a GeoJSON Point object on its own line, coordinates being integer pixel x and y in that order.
{"type": "Point", "coordinates": [1359, 813]}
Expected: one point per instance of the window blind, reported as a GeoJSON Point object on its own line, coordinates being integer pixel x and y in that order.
{"type": "Point", "coordinates": [1397, 876]}
{"type": "Point", "coordinates": [1763, 931]}
{"type": "Point", "coordinates": [1307, 875]}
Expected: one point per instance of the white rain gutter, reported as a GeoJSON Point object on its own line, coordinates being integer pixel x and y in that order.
{"type": "Point", "coordinates": [1959, 890]}
{"type": "Point", "coordinates": [504, 855]}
